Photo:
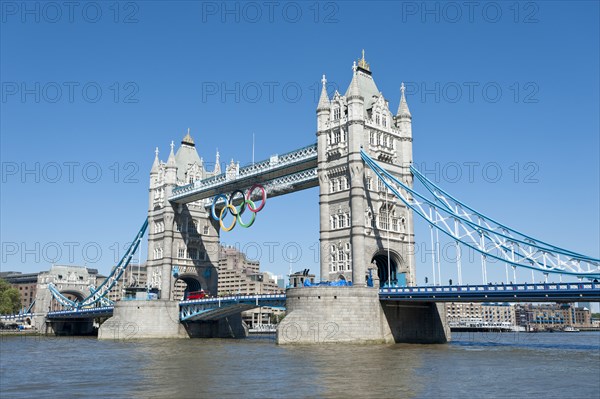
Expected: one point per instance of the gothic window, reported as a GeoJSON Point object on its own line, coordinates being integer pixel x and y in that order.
{"type": "Point", "coordinates": [336, 137]}
{"type": "Point", "coordinates": [193, 254]}
{"type": "Point", "coordinates": [331, 186]}
{"type": "Point", "coordinates": [342, 220]}
{"type": "Point", "coordinates": [377, 119]}
{"type": "Point", "coordinates": [178, 224]}
{"type": "Point", "coordinates": [384, 217]}
{"type": "Point", "coordinates": [338, 185]}
{"type": "Point", "coordinates": [380, 185]}
{"type": "Point", "coordinates": [384, 120]}
{"type": "Point", "coordinates": [181, 252]}
{"type": "Point", "coordinates": [371, 138]}
{"type": "Point", "coordinates": [385, 141]}
{"type": "Point", "coordinates": [334, 221]}
{"type": "Point", "coordinates": [369, 183]}
{"type": "Point", "coordinates": [348, 221]}
{"type": "Point", "coordinates": [345, 182]}
{"type": "Point", "coordinates": [379, 138]}
{"type": "Point", "coordinates": [192, 226]}
{"type": "Point", "coordinates": [336, 114]}
{"type": "Point", "coordinates": [344, 138]}
{"type": "Point", "coordinates": [206, 229]}
{"type": "Point", "coordinates": [395, 224]}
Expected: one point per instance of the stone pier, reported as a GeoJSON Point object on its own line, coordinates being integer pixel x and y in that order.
{"type": "Point", "coordinates": [317, 315]}
{"type": "Point", "coordinates": [143, 319]}
{"type": "Point", "coordinates": [333, 314]}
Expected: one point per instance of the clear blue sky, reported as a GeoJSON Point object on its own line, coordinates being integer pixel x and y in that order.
{"type": "Point", "coordinates": [158, 67]}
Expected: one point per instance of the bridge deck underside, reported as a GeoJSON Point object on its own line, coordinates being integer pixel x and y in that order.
{"type": "Point", "coordinates": [203, 310]}
{"type": "Point", "coordinates": [82, 314]}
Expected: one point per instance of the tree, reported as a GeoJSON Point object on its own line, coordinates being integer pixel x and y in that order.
{"type": "Point", "coordinates": [10, 302]}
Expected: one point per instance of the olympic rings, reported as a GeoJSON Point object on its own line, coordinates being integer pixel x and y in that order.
{"type": "Point", "coordinates": [237, 212]}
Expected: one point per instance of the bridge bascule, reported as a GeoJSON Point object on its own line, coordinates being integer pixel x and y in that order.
{"type": "Point", "coordinates": [362, 164]}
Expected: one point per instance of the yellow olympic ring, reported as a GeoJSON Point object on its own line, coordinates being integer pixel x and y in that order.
{"type": "Point", "coordinates": [233, 212]}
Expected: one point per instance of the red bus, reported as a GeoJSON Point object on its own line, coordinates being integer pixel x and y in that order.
{"type": "Point", "coordinates": [196, 295]}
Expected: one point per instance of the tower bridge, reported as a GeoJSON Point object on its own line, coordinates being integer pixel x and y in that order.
{"type": "Point", "coordinates": [362, 164]}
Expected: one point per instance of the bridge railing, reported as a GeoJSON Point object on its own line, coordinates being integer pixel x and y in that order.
{"type": "Point", "coordinates": [257, 168]}
{"type": "Point", "coordinates": [493, 288]}
{"type": "Point", "coordinates": [233, 298]}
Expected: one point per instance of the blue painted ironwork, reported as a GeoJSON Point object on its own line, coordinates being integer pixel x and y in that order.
{"type": "Point", "coordinates": [568, 292]}
{"type": "Point", "coordinates": [216, 308]}
{"type": "Point", "coordinates": [100, 293]}
{"type": "Point", "coordinates": [483, 234]}
{"type": "Point", "coordinates": [89, 313]}
{"type": "Point", "coordinates": [295, 167]}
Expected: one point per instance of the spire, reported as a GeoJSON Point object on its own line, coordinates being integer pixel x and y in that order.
{"type": "Point", "coordinates": [156, 162]}
{"type": "Point", "coordinates": [403, 111]}
{"type": "Point", "coordinates": [171, 160]}
{"type": "Point", "coordinates": [324, 100]}
{"type": "Point", "coordinates": [188, 140]}
{"type": "Point", "coordinates": [354, 89]}
{"type": "Point", "coordinates": [217, 163]}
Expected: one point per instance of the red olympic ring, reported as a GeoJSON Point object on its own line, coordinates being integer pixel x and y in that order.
{"type": "Point", "coordinates": [263, 197]}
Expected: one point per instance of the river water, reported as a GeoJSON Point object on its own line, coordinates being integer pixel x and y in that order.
{"type": "Point", "coordinates": [473, 365]}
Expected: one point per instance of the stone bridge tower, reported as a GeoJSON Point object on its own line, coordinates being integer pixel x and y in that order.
{"type": "Point", "coordinates": [362, 225]}
{"type": "Point", "coordinates": [183, 241]}
{"type": "Point", "coordinates": [360, 221]}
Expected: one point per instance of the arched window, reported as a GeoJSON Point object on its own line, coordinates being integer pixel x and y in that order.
{"type": "Point", "coordinates": [336, 114]}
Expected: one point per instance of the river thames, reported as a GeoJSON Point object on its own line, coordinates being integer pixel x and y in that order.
{"type": "Point", "coordinates": [474, 365]}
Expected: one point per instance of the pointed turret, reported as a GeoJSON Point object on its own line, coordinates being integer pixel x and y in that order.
{"type": "Point", "coordinates": [155, 164]}
{"type": "Point", "coordinates": [354, 88]}
{"type": "Point", "coordinates": [171, 160]}
{"type": "Point", "coordinates": [403, 111]}
{"type": "Point", "coordinates": [324, 102]}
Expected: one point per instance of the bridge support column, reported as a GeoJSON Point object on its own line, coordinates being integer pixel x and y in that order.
{"type": "Point", "coordinates": [143, 319]}
{"type": "Point", "coordinates": [419, 323]}
{"type": "Point", "coordinates": [227, 327]}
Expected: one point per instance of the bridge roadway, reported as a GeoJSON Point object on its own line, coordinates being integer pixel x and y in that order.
{"type": "Point", "coordinates": [215, 308]}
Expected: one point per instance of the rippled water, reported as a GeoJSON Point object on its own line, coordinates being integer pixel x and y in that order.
{"type": "Point", "coordinates": [543, 365]}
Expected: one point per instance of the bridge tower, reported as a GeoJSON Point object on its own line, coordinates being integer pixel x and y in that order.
{"type": "Point", "coordinates": [361, 224]}
{"type": "Point", "coordinates": [183, 243]}
{"type": "Point", "coordinates": [364, 230]}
